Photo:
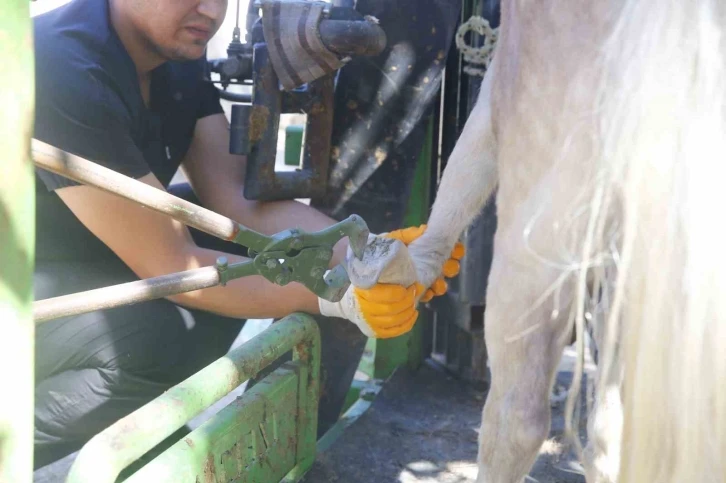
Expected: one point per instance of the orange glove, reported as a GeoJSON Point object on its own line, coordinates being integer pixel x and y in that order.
{"type": "Point", "coordinates": [451, 266]}
{"type": "Point", "coordinates": [384, 304]}
{"type": "Point", "coordinates": [380, 312]}
{"type": "Point", "coordinates": [387, 310]}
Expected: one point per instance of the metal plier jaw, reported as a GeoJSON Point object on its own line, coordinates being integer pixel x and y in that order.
{"type": "Point", "coordinates": [298, 256]}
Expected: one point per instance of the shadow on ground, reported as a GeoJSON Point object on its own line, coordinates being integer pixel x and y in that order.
{"type": "Point", "coordinates": [423, 427]}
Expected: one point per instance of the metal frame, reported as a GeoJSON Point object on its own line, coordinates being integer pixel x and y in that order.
{"type": "Point", "coordinates": [254, 123]}
{"type": "Point", "coordinates": [266, 435]}
{"type": "Point", "coordinates": [262, 118]}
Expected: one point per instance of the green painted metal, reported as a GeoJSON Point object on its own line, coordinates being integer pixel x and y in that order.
{"type": "Point", "coordinates": [108, 453]}
{"type": "Point", "coordinates": [352, 396]}
{"type": "Point", "coordinates": [368, 359]}
{"type": "Point", "coordinates": [293, 144]}
{"type": "Point", "coordinates": [408, 348]}
{"type": "Point", "coordinates": [416, 214]}
{"type": "Point", "coordinates": [252, 439]}
{"type": "Point", "coordinates": [17, 240]}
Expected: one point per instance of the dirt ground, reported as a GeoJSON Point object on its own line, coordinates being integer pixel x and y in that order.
{"type": "Point", "coordinates": [423, 427]}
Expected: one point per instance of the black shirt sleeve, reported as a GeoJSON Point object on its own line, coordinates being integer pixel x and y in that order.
{"type": "Point", "coordinates": [75, 112]}
{"type": "Point", "coordinates": [209, 102]}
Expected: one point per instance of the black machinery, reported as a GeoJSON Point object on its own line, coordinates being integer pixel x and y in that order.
{"type": "Point", "coordinates": [289, 56]}
{"type": "Point", "coordinates": [457, 338]}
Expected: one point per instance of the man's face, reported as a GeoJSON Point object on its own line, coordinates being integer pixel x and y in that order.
{"type": "Point", "coordinates": [177, 29]}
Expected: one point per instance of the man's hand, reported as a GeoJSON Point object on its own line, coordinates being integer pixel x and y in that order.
{"type": "Point", "coordinates": [381, 300]}
{"type": "Point", "coordinates": [451, 266]}
{"type": "Point", "coordinates": [381, 312]}
{"type": "Point", "coordinates": [385, 290]}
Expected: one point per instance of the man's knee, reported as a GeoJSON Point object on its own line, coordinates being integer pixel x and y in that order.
{"type": "Point", "coordinates": [72, 406]}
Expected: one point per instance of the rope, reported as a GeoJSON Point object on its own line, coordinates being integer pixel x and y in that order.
{"type": "Point", "coordinates": [477, 55]}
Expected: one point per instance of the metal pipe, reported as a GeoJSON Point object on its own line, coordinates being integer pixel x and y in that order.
{"type": "Point", "coordinates": [109, 452]}
{"type": "Point", "coordinates": [135, 292]}
{"type": "Point", "coordinates": [356, 38]}
{"type": "Point", "coordinates": [79, 169]}
{"type": "Point", "coordinates": [124, 294]}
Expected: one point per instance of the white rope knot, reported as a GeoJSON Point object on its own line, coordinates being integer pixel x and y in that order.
{"type": "Point", "coordinates": [477, 55]}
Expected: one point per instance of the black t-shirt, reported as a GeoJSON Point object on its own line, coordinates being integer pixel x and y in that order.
{"type": "Point", "coordinates": [88, 102]}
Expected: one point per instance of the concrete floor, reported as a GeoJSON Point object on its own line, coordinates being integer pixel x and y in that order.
{"type": "Point", "coordinates": [423, 427]}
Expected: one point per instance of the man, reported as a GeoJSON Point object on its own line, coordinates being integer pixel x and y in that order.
{"type": "Point", "coordinates": [119, 83]}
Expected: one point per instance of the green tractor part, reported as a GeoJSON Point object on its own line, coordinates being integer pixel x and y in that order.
{"type": "Point", "coordinates": [407, 349]}
{"type": "Point", "coordinates": [268, 434]}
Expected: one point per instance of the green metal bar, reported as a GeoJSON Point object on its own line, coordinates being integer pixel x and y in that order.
{"type": "Point", "coordinates": [417, 213]}
{"type": "Point", "coordinates": [252, 439]}
{"type": "Point", "coordinates": [108, 453]}
{"type": "Point", "coordinates": [367, 394]}
{"type": "Point", "coordinates": [308, 356]}
{"type": "Point", "coordinates": [17, 241]}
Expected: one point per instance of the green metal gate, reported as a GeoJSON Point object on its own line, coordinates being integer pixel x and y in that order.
{"type": "Point", "coordinates": [17, 241]}
{"type": "Point", "coordinates": [268, 434]}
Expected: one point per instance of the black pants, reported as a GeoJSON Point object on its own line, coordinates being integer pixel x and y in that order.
{"type": "Point", "coordinates": [95, 368]}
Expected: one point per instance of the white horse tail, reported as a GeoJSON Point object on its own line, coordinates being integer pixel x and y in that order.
{"type": "Point", "coordinates": [662, 162]}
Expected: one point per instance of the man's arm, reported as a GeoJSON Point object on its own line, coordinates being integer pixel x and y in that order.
{"type": "Point", "coordinates": [218, 179]}
{"type": "Point", "coordinates": [152, 244]}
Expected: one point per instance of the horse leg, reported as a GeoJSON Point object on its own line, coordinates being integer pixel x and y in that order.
{"type": "Point", "coordinates": [516, 415]}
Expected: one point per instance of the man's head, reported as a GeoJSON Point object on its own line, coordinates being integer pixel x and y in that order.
{"type": "Point", "coordinates": [168, 29]}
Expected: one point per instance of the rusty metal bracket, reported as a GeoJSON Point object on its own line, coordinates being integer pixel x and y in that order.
{"type": "Point", "coordinates": [261, 121]}
{"type": "Point", "coordinates": [254, 126]}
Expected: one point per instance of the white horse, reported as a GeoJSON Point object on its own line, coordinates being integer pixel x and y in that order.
{"type": "Point", "coordinates": [601, 124]}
